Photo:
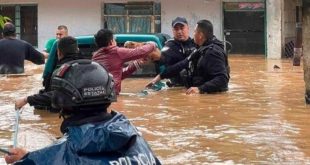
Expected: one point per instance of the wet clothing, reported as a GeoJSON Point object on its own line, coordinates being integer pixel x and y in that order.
{"type": "Point", "coordinates": [110, 139]}
{"type": "Point", "coordinates": [173, 52]}
{"type": "Point", "coordinates": [209, 68]}
{"type": "Point", "coordinates": [114, 57]}
{"type": "Point", "coordinates": [13, 52]}
{"type": "Point", "coordinates": [42, 100]}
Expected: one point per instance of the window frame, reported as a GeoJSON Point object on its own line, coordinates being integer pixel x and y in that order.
{"type": "Point", "coordinates": [155, 17]}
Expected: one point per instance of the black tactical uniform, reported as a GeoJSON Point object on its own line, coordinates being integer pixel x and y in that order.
{"type": "Point", "coordinates": [208, 68]}
{"type": "Point", "coordinates": [173, 52]}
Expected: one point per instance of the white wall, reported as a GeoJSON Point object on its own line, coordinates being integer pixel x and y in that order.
{"type": "Point", "coordinates": [81, 17]}
{"type": "Point", "coordinates": [193, 11]}
{"type": "Point", "coordinates": [274, 10]}
{"type": "Point", "coordinates": [84, 17]}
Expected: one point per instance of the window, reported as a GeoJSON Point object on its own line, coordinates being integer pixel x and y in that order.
{"type": "Point", "coordinates": [132, 17]}
{"type": "Point", "coordinates": [24, 17]}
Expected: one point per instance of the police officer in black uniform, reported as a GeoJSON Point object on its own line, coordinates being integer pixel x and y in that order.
{"type": "Point", "coordinates": [175, 50]}
{"type": "Point", "coordinates": [67, 50]}
{"type": "Point", "coordinates": [205, 70]}
{"type": "Point", "coordinates": [208, 67]}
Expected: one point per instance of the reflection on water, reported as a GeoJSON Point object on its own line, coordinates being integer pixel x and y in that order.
{"type": "Point", "coordinates": [262, 119]}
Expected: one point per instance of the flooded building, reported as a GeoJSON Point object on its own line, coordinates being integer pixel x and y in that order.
{"type": "Point", "coordinates": [261, 27]}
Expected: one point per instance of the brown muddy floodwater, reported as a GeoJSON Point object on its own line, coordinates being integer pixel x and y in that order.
{"type": "Point", "coordinates": [262, 119]}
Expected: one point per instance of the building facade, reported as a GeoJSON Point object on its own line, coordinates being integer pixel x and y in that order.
{"type": "Point", "coordinates": [259, 27]}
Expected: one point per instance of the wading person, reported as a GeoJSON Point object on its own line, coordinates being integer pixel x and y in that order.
{"type": "Point", "coordinates": [13, 52]}
{"type": "Point", "coordinates": [92, 134]}
{"type": "Point", "coordinates": [113, 57]}
{"type": "Point", "coordinates": [208, 67]}
{"type": "Point", "coordinates": [67, 50]}
{"type": "Point", "coordinates": [62, 31]}
{"type": "Point", "coordinates": [174, 51]}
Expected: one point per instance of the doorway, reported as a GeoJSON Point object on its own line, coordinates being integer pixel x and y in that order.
{"type": "Point", "coordinates": [28, 23]}
{"type": "Point", "coordinates": [244, 25]}
{"type": "Point", "coordinates": [25, 19]}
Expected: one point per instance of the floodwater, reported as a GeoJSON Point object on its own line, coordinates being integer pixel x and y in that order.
{"type": "Point", "coordinates": [262, 119]}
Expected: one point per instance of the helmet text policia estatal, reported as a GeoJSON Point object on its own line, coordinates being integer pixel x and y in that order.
{"type": "Point", "coordinates": [81, 83]}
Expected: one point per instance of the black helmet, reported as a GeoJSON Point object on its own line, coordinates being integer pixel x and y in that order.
{"type": "Point", "coordinates": [82, 83]}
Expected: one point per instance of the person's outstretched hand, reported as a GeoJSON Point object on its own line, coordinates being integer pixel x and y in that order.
{"type": "Point", "coordinates": [15, 155]}
{"type": "Point", "coordinates": [19, 103]}
{"type": "Point", "coordinates": [149, 84]}
{"type": "Point", "coordinates": [155, 55]}
{"type": "Point", "coordinates": [192, 90]}
{"type": "Point", "coordinates": [45, 54]}
{"type": "Point", "coordinates": [153, 81]}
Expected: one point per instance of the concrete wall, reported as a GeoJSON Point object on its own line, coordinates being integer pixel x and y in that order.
{"type": "Point", "coordinates": [193, 11]}
{"type": "Point", "coordinates": [274, 9]}
{"type": "Point", "coordinates": [84, 17]}
{"type": "Point", "coordinates": [81, 17]}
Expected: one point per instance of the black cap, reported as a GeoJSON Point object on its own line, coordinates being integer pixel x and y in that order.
{"type": "Point", "coordinates": [179, 20]}
{"type": "Point", "coordinates": [8, 29]}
